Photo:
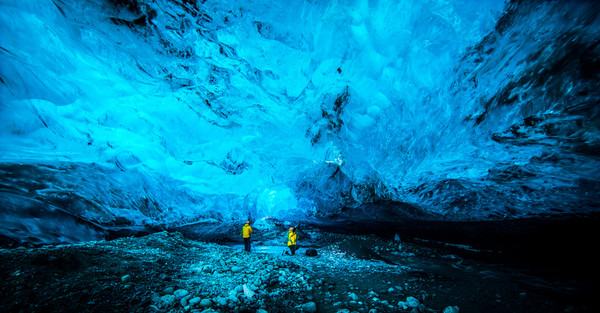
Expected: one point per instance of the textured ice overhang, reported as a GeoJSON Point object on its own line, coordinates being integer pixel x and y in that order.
{"type": "Point", "coordinates": [136, 112]}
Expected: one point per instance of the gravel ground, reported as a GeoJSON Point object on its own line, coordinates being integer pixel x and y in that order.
{"type": "Point", "coordinates": [165, 272]}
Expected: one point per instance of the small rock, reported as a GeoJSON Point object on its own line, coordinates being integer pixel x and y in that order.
{"type": "Point", "coordinates": [184, 301]}
{"type": "Point", "coordinates": [125, 279]}
{"type": "Point", "coordinates": [166, 301]}
{"type": "Point", "coordinates": [205, 303]}
{"type": "Point", "coordinates": [195, 300]}
{"type": "Point", "coordinates": [412, 302]}
{"type": "Point", "coordinates": [233, 299]}
{"type": "Point", "coordinates": [248, 292]}
{"type": "Point", "coordinates": [309, 307]}
{"type": "Point", "coordinates": [236, 269]}
{"type": "Point", "coordinates": [353, 296]}
{"type": "Point", "coordinates": [180, 293]}
{"type": "Point", "coordinates": [222, 301]}
{"type": "Point", "coordinates": [169, 290]}
{"type": "Point", "coordinates": [451, 309]}
{"type": "Point", "coordinates": [403, 305]}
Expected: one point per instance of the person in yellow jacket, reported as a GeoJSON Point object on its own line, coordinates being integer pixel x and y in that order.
{"type": "Point", "coordinates": [291, 242]}
{"type": "Point", "coordinates": [246, 231]}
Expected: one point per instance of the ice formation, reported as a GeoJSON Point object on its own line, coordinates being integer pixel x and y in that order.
{"type": "Point", "coordinates": [144, 112]}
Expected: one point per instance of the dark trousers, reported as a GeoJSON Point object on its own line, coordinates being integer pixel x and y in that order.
{"type": "Point", "coordinates": [292, 249]}
{"type": "Point", "coordinates": [247, 244]}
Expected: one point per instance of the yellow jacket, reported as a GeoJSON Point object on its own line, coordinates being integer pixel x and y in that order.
{"type": "Point", "coordinates": [246, 231]}
{"type": "Point", "coordinates": [291, 238]}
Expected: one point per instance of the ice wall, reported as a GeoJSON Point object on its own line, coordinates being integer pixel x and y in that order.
{"type": "Point", "coordinates": [130, 112]}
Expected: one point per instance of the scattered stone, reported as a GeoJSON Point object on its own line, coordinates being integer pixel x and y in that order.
{"type": "Point", "coordinates": [180, 293]}
{"type": "Point", "coordinates": [206, 303]}
{"type": "Point", "coordinates": [221, 301]}
{"type": "Point", "coordinates": [195, 300]}
{"type": "Point", "coordinates": [125, 279]}
{"type": "Point", "coordinates": [412, 302]}
{"type": "Point", "coordinates": [245, 282]}
{"type": "Point", "coordinates": [236, 269]}
{"type": "Point", "coordinates": [403, 305]}
{"type": "Point", "coordinates": [248, 292]}
{"type": "Point", "coordinates": [166, 301]}
{"type": "Point", "coordinates": [168, 290]}
{"type": "Point", "coordinates": [184, 301]}
{"type": "Point", "coordinates": [309, 307]}
{"type": "Point", "coordinates": [352, 296]}
{"type": "Point", "coordinates": [451, 309]}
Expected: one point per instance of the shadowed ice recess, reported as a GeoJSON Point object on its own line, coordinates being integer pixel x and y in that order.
{"type": "Point", "coordinates": [127, 113]}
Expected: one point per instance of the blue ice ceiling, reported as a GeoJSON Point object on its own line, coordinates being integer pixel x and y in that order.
{"type": "Point", "coordinates": [163, 111]}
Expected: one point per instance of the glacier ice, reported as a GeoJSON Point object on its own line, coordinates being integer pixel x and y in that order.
{"type": "Point", "coordinates": [135, 112]}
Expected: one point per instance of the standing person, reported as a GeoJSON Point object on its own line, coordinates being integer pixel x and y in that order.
{"type": "Point", "coordinates": [292, 240]}
{"type": "Point", "coordinates": [246, 231]}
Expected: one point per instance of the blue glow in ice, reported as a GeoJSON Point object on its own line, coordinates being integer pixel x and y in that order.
{"type": "Point", "coordinates": [173, 112]}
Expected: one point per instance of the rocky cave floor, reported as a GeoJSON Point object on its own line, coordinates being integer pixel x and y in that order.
{"type": "Point", "coordinates": [166, 272]}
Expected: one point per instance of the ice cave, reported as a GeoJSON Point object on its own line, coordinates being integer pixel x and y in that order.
{"type": "Point", "coordinates": [432, 155]}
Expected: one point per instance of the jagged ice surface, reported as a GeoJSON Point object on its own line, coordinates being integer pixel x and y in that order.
{"type": "Point", "coordinates": [132, 112]}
